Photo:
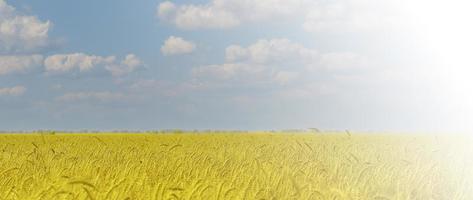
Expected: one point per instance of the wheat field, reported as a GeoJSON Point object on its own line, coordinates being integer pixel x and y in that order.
{"type": "Point", "coordinates": [260, 165]}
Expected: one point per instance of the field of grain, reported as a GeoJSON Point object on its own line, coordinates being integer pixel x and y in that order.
{"type": "Point", "coordinates": [235, 166]}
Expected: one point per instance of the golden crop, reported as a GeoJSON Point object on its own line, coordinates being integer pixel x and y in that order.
{"type": "Point", "coordinates": [235, 166]}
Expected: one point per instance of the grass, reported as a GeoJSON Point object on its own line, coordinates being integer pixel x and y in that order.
{"type": "Point", "coordinates": [235, 166]}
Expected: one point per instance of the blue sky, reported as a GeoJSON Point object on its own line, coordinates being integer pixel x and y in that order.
{"type": "Point", "coordinates": [235, 64]}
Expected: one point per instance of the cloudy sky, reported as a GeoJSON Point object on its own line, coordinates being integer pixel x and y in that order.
{"type": "Point", "coordinates": [393, 65]}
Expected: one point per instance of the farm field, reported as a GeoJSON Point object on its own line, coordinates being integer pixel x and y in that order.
{"type": "Point", "coordinates": [259, 165]}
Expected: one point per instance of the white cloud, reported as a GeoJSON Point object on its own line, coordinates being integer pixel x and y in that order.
{"type": "Point", "coordinates": [16, 64]}
{"type": "Point", "coordinates": [68, 62]}
{"type": "Point", "coordinates": [250, 10]}
{"type": "Point", "coordinates": [83, 96]}
{"type": "Point", "coordinates": [196, 16]}
{"type": "Point", "coordinates": [276, 60]}
{"type": "Point", "coordinates": [235, 53]}
{"type": "Point", "coordinates": [227, 13]}
{"type": "Point", "coordinates": [62, 63]}
{"type": "Point", "coordinates": [354, 16]}
{"type": "Point", "coordinates": [20, 33]}
{"type": "Point", "coordinates": [284, 77]}
{"type": "Point", "coordinates": [13, 91]}
{"type": "Point", "coordinates": [5, 9]}
{"type": "Point", "coordinates": [317, 16]}
{"type": "Point", "coordinates": [228, 71]}
{"type": "Point", "coordinates": [280, 51]}
{"type": "Point", "coordinates": [165, 10]}
{"type": "Point", "coordinates": [176, 45]}
{"type": "Point", "coordinates": [128, 65]}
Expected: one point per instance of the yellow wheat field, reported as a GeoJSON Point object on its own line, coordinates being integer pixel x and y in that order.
{"type": "Point", "coordinates": [235, 166]}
